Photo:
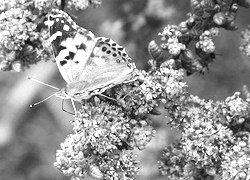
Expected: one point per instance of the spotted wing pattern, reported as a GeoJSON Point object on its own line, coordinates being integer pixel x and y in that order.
{"type": "Point", "coordinates": [89, 64]}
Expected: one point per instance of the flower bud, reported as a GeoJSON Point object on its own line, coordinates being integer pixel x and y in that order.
{"type": "Point", "coordinates": [183, 27]}
{"type": "Point", "coordinates": [219, 18]}
{"type": "Point", "coordinates": [155, 51]}
{"type": "Point", "coordinates": [234, 7]}
{"type": "Point", "coordinates": [195, 4]}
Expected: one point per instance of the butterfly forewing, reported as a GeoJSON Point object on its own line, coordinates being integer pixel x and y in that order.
{"type": "Point", "coordinates": [72, 45]}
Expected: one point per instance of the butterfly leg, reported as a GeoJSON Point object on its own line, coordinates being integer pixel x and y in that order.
{"type": "Point", "coordinates": [107, 97]}
{"type": "Point", "coordinates": [73, 104]}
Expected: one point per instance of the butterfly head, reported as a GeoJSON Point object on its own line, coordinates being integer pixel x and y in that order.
{"type": "Point", "coordinates": [62, 94]}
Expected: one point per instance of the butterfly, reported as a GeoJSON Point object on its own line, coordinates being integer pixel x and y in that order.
{"type": "Point", "coordinates": [89, 64]}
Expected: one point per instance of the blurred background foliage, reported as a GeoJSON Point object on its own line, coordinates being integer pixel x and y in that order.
{"type": "Point", "coordinates": [30, 136]}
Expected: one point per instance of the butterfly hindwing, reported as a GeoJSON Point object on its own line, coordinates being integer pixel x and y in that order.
{"type": "Point", "coordinates": [108, 65]}
{"type": "Point", "coordinates": [116, 65]}
{"type": "Point", "coordinates": [72, 45]}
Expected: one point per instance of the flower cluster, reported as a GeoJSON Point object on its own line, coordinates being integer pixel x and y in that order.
{"type": "Point", "coordinates": [24, 36]}
{"type": "Point", "coordinates": [106, 129]}
{"type": "Point", "coordinates": [78, 159]}
{"type": "Point", "coordinates": [236, 162]}
{"type": "Point", "coordinates": [21, 37]}
{"type": "Point", "coordinates": [17, 27]}
{"type": "Point", "coordinates": [171, 35]}
{"type": "Point", "coordinates": [45, 6]}
{"type": "Point", "coordinates": [110, 128]}
{"type": "Point", "coordinates": [236, 111]}
{"type": "Point", "coordinates": [173, 161]}
{"type": "Point", "coordinates": [103, 132]}
{"type": "Point", "coordinates": [214, 142]}
{"type": "Point", "coordinates": [5, 4]}
{"type": "Point", "coordinates": [83, 4]}
{"type": "Point", "coordinates": [205, 42]}
{"type": "Point", "coordinates": [201, 26]}
{"type": "Point", "coordinates": [213, 133]}
{"type": "Point", "coordinates": [245, 42]}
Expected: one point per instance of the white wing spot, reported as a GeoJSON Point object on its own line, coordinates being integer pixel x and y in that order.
{"type": "Point", "coordinates": [81, 56]}
{"type": "Point", "coordinates": [57, 19]}
{"type": "Point", "coordinates": [66, 27]}
{"type": "Point", "coordinates": [69, 44]}
{"type": "Point", "coordinates": [49, 23]}
{"type": "Point", "coordinates": [62, 21]}
{"type": "Point", "coordinates": [62, 54]}
{"type": "Point", "coordinates": [54, 36]}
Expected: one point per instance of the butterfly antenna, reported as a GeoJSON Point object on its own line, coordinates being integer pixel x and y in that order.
{"type": "Point", "coordinates": [40, 82]}
{"type": "Point", "coordinates": [32, 105]}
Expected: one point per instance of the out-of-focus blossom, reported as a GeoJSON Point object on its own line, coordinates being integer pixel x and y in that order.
{"type": "Point", "coordinates": [46, 5]}
{"type": "Point", "coordinates": [5, 4]}
{"type": "Point", "coordinates": [245, 42]}
{"type": "Point", "coordinates": [16, 25]}
{"type": "Point", "coordinates": [83, 4]}
{"type": "Point", "coordinates": [159, 9]}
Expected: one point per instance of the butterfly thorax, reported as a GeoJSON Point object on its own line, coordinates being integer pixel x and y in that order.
{"type": "Point", "coordinates": [76, 91]}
